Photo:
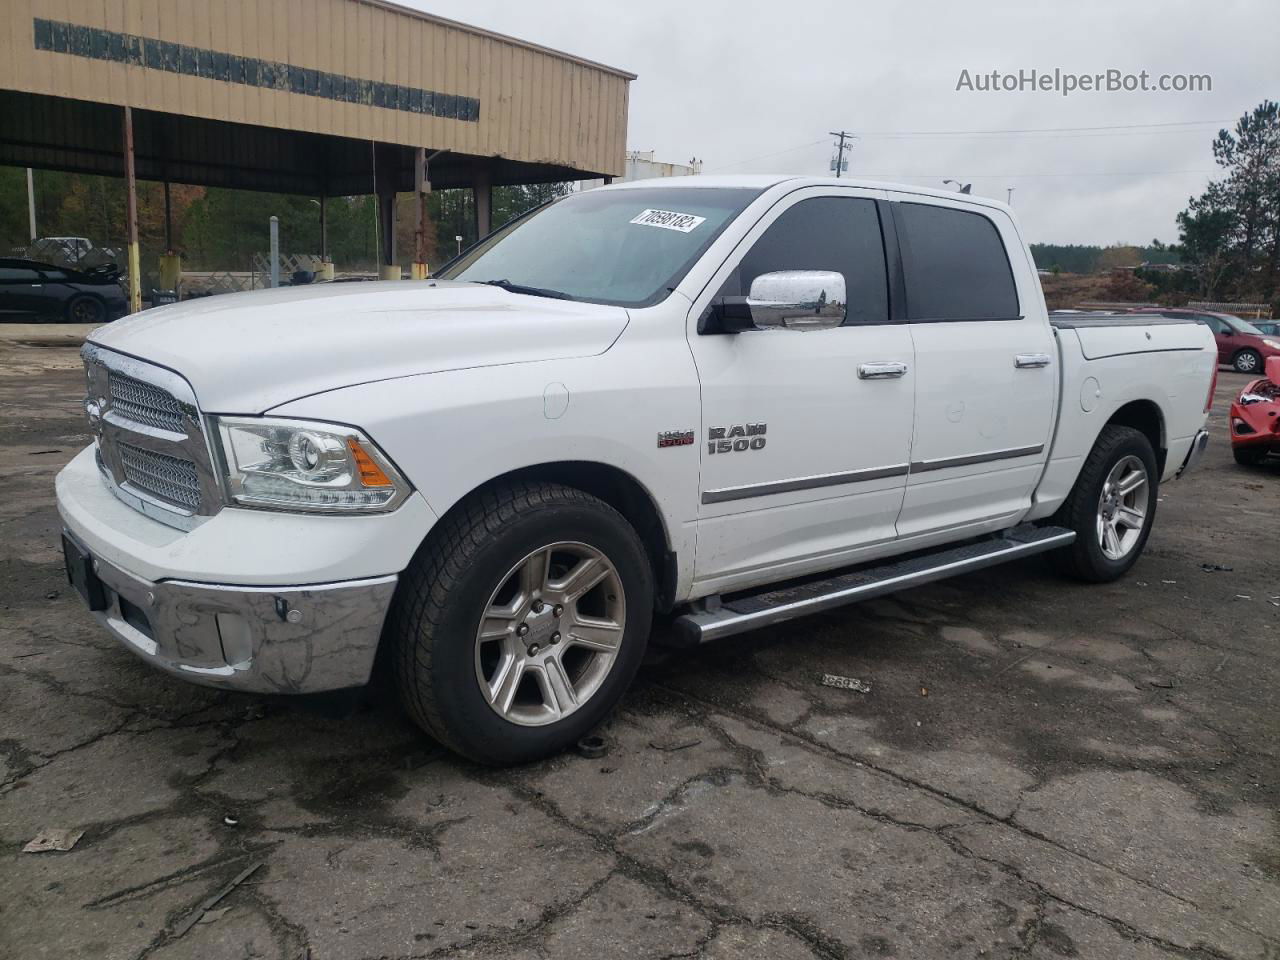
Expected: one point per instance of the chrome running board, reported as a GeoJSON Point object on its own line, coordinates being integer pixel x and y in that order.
{"type": "Point", "coordinates": [712, 620]}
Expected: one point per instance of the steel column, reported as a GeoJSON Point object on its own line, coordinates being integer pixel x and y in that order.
{"type": "Point", "coordinates": [131, 216]}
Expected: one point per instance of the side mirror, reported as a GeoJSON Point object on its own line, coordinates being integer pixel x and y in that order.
{"type": "Point", "coordinates": [789, 300]}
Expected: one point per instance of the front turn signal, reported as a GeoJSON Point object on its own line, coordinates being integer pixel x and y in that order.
{"type": "Point", "coordinates": [371, 475]}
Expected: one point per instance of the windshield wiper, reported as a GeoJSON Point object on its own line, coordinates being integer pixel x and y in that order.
{"type": "Point", "coordinates": [531, 291]}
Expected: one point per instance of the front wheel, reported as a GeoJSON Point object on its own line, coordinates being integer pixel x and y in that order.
{"type": "Point", "coordinates": [86, 309]}
{"type": "Point", "coordinates": [522, 622]}
{"type": "Point", "coordinates": [1111, 507]}
{"type": "Point", "coordinates": [1249, 456]}
{"type": "Point", "coordinates": [1247, 361]}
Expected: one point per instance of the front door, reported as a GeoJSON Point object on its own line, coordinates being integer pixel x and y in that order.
{"type": "Point", "coordinates": [986, 370]}
{"type": "Point", "coordinates": [21, 292]}
{"type": "Point", "coordinates": [804, 459]}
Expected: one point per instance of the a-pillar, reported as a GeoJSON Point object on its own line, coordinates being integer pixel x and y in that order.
{"type": "Point", "coordinates": [482, 193]}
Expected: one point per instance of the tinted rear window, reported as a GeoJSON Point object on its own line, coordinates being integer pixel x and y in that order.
{"type": "Point", "coordinates": [955, 264]}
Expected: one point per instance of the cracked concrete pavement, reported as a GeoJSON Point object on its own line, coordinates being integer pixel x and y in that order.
{"type": "Point", "coordinates": [1041, 769]}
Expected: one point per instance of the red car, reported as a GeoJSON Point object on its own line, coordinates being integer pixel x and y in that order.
{"type": "Point", "coordinates": [1255, 418]}
{"type": "Point", "coordinates": [1241, 345]}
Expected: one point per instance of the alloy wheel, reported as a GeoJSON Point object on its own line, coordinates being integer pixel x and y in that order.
{"type": "Point", "coordinates": [1122, 508]}
{"type": "Point", "coordinates": [550, 633]}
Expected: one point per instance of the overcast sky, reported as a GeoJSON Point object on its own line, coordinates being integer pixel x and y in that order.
{"type": "Point", "coordinates": [738, 83]}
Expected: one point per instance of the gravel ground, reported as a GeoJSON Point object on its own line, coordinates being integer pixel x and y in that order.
{"type": "Point", "coordinates": [1041, 769]}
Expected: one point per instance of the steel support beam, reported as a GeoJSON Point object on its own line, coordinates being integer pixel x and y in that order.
{"type": "Point", "coordinates": [482, 191]}
{"type": "Point", "coordinates": [131, 216]}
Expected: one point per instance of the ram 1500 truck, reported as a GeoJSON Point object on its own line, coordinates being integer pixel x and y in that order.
{"type": "Point", "coordinates": [730, 401]}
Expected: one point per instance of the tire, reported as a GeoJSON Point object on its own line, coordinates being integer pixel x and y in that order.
{"type": "Point", "coordinates": [1249, 456]}
{"type": "Point", "coordinates": [1247, 361]}
{"type": "Point", "coordinates": [484, 559]}
{"type": "Point", "coordinates": [1117, 459]}
{"type": "Point", "coordinates": [86, 309]}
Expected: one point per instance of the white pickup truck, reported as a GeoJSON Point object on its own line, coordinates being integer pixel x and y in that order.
{"type": "Point", "coordinates": [728, 400]}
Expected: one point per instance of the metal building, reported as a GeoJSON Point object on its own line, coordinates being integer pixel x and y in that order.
{"type": "Point", "coordinates": [315, 97]}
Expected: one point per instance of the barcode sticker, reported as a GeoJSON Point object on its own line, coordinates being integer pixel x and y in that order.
{"type": "Point", "coordinates": [669, 220]}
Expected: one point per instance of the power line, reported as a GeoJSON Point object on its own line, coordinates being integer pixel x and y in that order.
{"type": "Point", "coordinates": [1117, 126]}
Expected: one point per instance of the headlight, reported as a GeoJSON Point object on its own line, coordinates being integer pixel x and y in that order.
{"type": "Point", "coordinates": [305, 465]}
{"type": "Point", "coordinates": [1273, 344]}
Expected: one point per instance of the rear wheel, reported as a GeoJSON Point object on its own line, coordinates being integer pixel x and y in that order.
{"type": "Point", "coordinates": [86, 310]}
{"type": "Point", "coordinates": [522, 622]}
{"type": "Point", "coordinates": [1111, 507]}
{"type": "Point", "coordinates": [1247, 361]}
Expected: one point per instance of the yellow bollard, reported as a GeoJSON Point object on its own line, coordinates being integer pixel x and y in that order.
{"type": "Point", "coordinates": [326, 271]}
{"type": "Point", "coordinates": [390, 272]}
{"type": "Point", "coordinates": [421, 271]}
{"type": "Point", "coordinates": [170, 272]}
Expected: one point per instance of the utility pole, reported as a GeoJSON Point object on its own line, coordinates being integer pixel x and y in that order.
{"type": "Point", "coordinates": [843, 135]}
{"type": "Point", "coordinates": [131, 215]}
{"type": "Point", "coordinates": [275, 252]}
{"type": "Point", "coordinates": [31, 204]}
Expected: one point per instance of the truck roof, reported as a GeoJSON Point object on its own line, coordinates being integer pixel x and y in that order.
{"type": "Point", "coordinates": [763, 181]}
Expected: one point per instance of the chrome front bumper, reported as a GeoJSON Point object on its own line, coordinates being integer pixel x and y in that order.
{"type": "Point", "coordinates": [1196, 453]}
{"type": "Point", "coordinates": [257, 639]}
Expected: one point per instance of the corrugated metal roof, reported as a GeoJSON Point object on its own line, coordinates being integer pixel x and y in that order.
{"type": "Point", "coordinates": [291, 79]}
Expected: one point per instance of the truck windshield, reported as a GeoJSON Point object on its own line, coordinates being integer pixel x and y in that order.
{"type": "Point", "coordinates": [625, 247]}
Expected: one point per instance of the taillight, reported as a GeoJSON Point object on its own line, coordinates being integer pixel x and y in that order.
{"type": "Point", "coordinates": [1213, 385]}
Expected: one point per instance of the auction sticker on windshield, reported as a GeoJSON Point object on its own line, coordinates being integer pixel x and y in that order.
{"type": "Point", "coordinates": [669, 220]}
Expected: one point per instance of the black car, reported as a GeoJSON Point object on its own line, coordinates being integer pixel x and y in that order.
{"type": "Point", "coordinates": [33, 292]}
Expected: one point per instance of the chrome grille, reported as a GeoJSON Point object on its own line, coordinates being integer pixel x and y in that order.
{"type": "Point", "coordinates": [144, 403]}
{"type": "Point", "coordinates": [167, 478]}
{"type": "Point", "coordinates": [152, 448]}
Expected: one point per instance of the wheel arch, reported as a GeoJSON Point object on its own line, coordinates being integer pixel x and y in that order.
{"type": "Point", "coordinates": [1147, 418]}
{"type": "Point", "coordinates": [620, 490]}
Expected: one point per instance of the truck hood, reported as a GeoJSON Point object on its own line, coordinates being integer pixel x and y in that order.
{"type": "Point", "coordinates": [249, 352]}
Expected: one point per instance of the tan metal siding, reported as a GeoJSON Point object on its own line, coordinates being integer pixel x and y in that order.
{"type": "Point", "coordinates": [534, 105]}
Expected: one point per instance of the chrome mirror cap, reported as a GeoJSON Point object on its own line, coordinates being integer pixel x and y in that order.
{"type": "Point", "coordinates": [797, 300]}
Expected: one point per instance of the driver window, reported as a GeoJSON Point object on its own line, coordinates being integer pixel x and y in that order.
{"type": "Point", "coordinates": [824, 233]}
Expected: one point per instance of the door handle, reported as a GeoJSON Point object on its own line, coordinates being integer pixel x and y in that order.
{"type": "Point", "coordinates": [1025, 361]}
{"type": "Point", "coordinates": [882, 370]}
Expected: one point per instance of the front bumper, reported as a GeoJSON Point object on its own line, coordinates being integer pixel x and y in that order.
{"type": "Point", "coordinates": [248, 599]}
{"type": "Point", "coordinates": [1196, 453]}
{"type": "Point", "coordinates": [256, 639]}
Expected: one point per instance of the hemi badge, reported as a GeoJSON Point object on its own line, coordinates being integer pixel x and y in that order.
{"type": "Point", "coordinates": [675, 438]}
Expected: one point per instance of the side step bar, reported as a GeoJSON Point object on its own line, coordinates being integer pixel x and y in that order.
{"type": "Point", "coordinates": [748, 612]}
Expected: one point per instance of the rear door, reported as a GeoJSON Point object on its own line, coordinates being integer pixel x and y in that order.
{"type": "Point", "coordinates": [986, 368]}
{"type": "Point", "coordinates": [803, 457]}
